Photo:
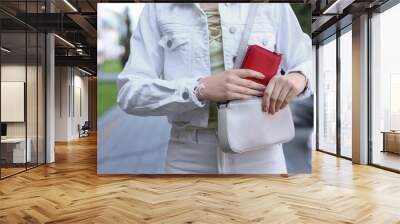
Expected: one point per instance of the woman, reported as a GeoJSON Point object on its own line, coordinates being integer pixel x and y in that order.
{"type": "Point", "coordinates": [181, 65]}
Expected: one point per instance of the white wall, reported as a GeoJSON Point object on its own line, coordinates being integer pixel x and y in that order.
{"type": "Point", "coordinates": [61, 103]}
{"type": "Point", "coordinates": [12, 73]}
{"type": "Point", "coordinates": [70, 84]}
{"type": "Point", "coordinates": [33, 126]}
{"type": "Point", "coordinates": [80, 89]}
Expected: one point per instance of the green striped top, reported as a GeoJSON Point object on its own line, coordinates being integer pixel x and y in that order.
{"type": "Point", "coordinates": [216, 56]}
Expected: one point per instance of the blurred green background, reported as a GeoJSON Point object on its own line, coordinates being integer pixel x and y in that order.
{"type": "Point", "coordinates": [303, 13]}
{"type": "Point", "coordinates": [107, 92]}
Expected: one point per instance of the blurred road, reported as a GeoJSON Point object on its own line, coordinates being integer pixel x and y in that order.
{"type": "Point", "coordinates": [130, 144]}
{"type": "Point", "coordinates": [104, 77]}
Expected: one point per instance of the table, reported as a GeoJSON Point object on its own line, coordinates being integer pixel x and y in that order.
{"type": "Point", "coordinates": [391, 141]}
{"type": "Point", "coordinates": [15, 148]}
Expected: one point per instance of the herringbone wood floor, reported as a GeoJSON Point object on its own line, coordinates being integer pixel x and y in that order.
{"type": "Point", "coordinates": [70, 191]}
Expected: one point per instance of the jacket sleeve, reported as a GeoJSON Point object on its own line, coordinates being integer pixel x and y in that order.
{"type": "Point", "coordinates": [295, 47]}
{"type": "Point", "coordinates": [142, 91]}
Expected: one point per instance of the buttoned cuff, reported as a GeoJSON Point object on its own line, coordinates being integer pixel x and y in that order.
{"type": "Point", "coordinates": [187, 92]}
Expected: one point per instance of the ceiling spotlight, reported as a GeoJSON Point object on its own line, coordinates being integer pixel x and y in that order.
{"type": "Point", "coordinates": [70, 5]}
{"type": "Point", "coordinates": [79, 51]}
{"type": "Point", "coordinates": [5, 50]}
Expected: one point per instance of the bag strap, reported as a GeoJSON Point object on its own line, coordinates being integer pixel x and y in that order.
{"type": "Point", "coordinates": [243, 41]}
{"type": "Point", "coordinates": [245, 35]}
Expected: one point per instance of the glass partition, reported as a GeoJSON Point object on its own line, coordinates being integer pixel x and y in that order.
{"type": "Point", "coordinates": [327, 97]}
{"type": "Point", "coordinates": [22, 77]}
{"type": "Point", "coordinates": [31, 100]}
{"type": "Point", "coordinates": [14, 153]}
{"type": "Point", "coordinates": [385, 89]}
{"type": "Point", "coordinates": [346, 94]}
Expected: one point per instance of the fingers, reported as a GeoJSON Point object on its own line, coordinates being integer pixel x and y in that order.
{"type": "Point", "coordinates": [245, 73]}
{"type": "Point", "coordinates": [292, 94]}
{"type": "Point", "coordinates": [282, 98]}
{"type": "Point", "coordinates": [249, 84]}
{"type": "Point", "coordinates": [236, 85]}
{"type": "Point", "coordinates": [268, 94]}
{"type": "Point", "coordinates": [278, 94]}
{"type": "Point", "coordinates": [244, 90]}
{"type": "Point", "coordinates": [274, 97]}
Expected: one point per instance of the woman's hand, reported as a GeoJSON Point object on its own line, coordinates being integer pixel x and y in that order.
{"type": "Point", "coordinates": [281, 90]}
{"type": "Point", "coordinates": [231, 85]}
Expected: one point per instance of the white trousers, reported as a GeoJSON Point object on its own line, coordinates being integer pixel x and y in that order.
{"type": "Point", "coordinates": [196, 151]}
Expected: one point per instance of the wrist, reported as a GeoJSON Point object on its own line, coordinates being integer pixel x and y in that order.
{"type": "Point", "coordinates": [299, 80]}
{"type": "Point", "coordinates": [199, 90]}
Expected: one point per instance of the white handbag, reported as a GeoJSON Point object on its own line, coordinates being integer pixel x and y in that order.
{"type": "Point", "coordinates": [242, 125]}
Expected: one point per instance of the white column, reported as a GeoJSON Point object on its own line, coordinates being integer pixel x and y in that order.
{"type": "Point", "coordinates": [50, 99]}
{"type": "Point", "coordinates": [360, 90]}
{"type": "Point", "coordinates": [50, 92]}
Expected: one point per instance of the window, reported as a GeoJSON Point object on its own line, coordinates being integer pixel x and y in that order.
{"type": "Point", "coordinates": [346, 94]}
{"type": "Point", "coordinates": [327, 97]}
{"type": "Point", "coordinates": [385, 89]}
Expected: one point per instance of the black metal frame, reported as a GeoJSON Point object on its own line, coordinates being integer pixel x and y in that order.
{"type": "Point", "coordinates": [317, 97]}
{"type": "Point", "coordinates": [338, 98]}
{"type": "Point", "coordinates": [26, 90]}
{"type": "Point", "coordinates": [36, 164]}
{"type": "Point", "coordinates": [45, 90]}
{"type": "Point", "coordinates": [369, 96]}
{"type": "Point", "coordinates": [0, 87]}
{"type": "Point", "coordinates": [37, 91]}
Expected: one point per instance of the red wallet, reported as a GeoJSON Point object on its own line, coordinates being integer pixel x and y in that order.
{"type": "Point", "coordinates": [261, 60]}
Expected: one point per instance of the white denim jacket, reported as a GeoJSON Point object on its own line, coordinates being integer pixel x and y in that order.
{"type": "Point", "coordinates": [170, 52]}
